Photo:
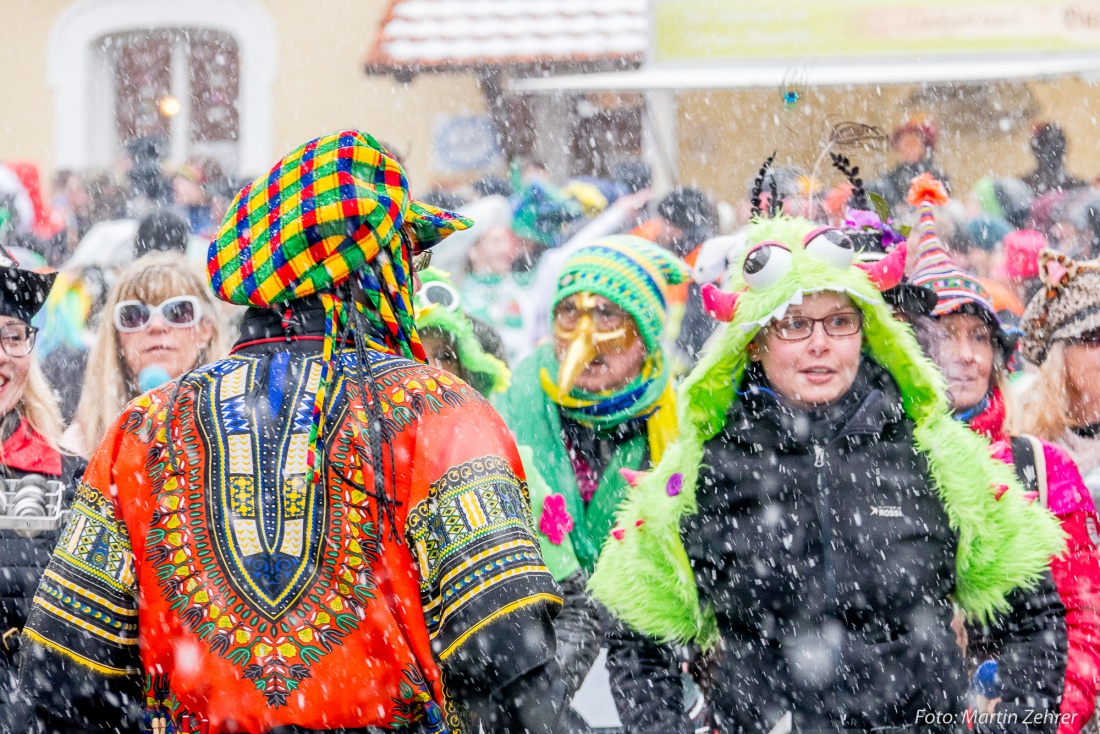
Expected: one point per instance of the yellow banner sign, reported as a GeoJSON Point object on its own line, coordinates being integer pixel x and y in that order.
{"type": "Point", "coordinates": [719, 30]}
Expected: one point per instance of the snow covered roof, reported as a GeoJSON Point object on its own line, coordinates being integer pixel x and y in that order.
{"type": "Point", "coordinates": [437, 35]}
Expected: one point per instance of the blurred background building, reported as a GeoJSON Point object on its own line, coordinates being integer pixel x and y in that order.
{"type": "Point", "coordinates": [701, 88]}
{"type": "Point", "coordinates": [240, 80]}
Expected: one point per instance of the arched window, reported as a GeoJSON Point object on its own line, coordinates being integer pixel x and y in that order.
{"type": "Point", "coordinates": [179, 86]}
{"type": "Point", "coordinates": [118, 66]}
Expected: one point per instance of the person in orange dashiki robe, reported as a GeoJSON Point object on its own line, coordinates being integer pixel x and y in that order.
{"type": "Point", "coordinates": [318, 533]}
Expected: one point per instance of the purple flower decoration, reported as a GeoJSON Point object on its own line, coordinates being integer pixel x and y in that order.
{"type": "Point", "coordinates": [675, 484]}
{"type": "Point", "coordinates": [858, 219]}
{"type": "Point", "coordinates": [861, 219]}
{"type": "Point", "coordinates": [890, 237]}
{"type": "Point", "coordinates": [555, 522]}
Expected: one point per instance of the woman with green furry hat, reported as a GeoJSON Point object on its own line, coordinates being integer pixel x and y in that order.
{"type": "Point", "coordinates": [592, 402]}
{"type": "Point", "coordinates": [821, 511]}
{"type": "Point", "coordinates": [456, 342]}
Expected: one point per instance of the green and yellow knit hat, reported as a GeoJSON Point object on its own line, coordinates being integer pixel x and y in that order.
{"type": "Point", "coordinates": [631, 272]}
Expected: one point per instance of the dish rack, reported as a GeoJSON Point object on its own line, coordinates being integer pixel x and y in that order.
{"type": "Point", "coordinates": [32, 504]}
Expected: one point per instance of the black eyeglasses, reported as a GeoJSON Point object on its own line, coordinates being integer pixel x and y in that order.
{"type": "Point", "coordinates": [17, 340]}
{"type": "Point", "coordinates": [799, 328]}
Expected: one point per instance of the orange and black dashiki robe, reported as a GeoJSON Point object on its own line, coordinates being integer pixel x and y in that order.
{"type": "Point", "coordinates": [247, 599]}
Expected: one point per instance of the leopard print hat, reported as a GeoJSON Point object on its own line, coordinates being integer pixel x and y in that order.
{"type": "Point", "coordinates": [1067, 306]}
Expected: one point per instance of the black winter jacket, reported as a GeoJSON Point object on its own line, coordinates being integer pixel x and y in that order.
{"type": "Point", "coordinates": [844, 623]}
{"type": "Point", "coordinates": [644, 681]}
{"type": "Point", "coordinates": [1030, 645]}
{"type": "Point", "coordinates": [22, 562]}
{"type": "Point", "coordinates": [827, 555]}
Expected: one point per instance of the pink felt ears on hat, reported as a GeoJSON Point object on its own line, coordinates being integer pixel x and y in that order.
{"type": "Point", "coordinates": [717, 303]}
{"type": "Point", "coordinates": [1055, 268]}
{"type": "Point", "coordinates": [888, 272]}
{"type": "Point", "coordinates": [1056, 272]}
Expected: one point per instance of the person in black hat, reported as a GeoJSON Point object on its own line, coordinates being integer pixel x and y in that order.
{"type": "Point", "coordinates": [685, 218]}
{"type": "Point", "coordinates": [161, 231]}
{"type": "Point", "coordinates": [688, 217]}
{"type": "Point", "coordinates": [30, 426]}
{"type": "Point", "coordinates": [1048, 143]}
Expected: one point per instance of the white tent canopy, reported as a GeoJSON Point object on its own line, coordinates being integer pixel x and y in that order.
{"type": "Point", "coordinates": [814, 74]}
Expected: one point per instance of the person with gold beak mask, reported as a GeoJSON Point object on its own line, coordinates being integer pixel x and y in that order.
{"type": "Point", "coordinates": [588, 408]}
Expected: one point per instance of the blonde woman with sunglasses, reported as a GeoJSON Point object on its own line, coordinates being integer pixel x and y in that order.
{"type": "Point", "coordinates": [160, 321]}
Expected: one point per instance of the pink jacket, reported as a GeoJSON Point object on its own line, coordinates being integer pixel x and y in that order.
{"type": "Point", "coordinates": [1076, 573]}
{"type": "Point", "coordinates": [1077, 576]}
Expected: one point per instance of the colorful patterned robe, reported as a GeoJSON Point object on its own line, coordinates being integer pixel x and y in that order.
{"type": "Point", "coordinates": [198, 555]}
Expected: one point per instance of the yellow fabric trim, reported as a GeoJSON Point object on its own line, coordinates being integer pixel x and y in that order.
{"type": "Point", "coordinates": [662, 428]}
{"type": "Point", "coordinates": [91, 570]}
{"type": "Point", "coordinates": [507, 609]}
{"type": "Point", "coordinates": [499, 578]}
{"type": "Point", "coordinates": [475, 560]}
{"type": "Point", "coordinates": [79, 659]}
{"type": "Point", "coordinates": [89, 595]}
{"type": "Point", "coordinates": [72, 619]}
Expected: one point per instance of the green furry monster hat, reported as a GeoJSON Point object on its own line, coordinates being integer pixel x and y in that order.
{"type": "Point", "coordinates": [1004, 541]}
{"type": "Point", "coordinates": [439, 306]}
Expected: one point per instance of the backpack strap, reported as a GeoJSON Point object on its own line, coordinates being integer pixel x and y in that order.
{"type": "Point", "coordinates": [1040, 468]}
{"type": "Point", "coordinates": [1031, 466]}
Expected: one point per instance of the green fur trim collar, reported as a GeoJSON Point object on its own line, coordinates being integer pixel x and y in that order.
{"type": "Point", "coordinates": [645, 577]}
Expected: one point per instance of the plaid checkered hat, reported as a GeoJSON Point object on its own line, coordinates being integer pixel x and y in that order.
{"type": "Point", "coordinates": [318, 218]}
{"type": "Point", "coordinates": [320, 214]}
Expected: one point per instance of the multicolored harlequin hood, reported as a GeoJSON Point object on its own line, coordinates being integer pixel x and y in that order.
{"type": "Point", "coordinates": [643, 573]}
{"type": "Point", "coordinates": [321, 213]}
{"type": "Point", "coordinates": [269, 601]}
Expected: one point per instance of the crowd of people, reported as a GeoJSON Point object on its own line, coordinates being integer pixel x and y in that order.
{"type": "Point", "coordinates": [821, 459]}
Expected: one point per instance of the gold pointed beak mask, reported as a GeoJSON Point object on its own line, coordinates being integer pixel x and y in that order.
{"type": "Point", "coordinates": [591, 329]}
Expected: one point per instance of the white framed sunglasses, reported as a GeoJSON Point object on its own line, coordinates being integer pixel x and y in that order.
{"type": "Point", "coordinates": [437, 293]}
{"type": "Point", "coordinates": [179, 312]}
